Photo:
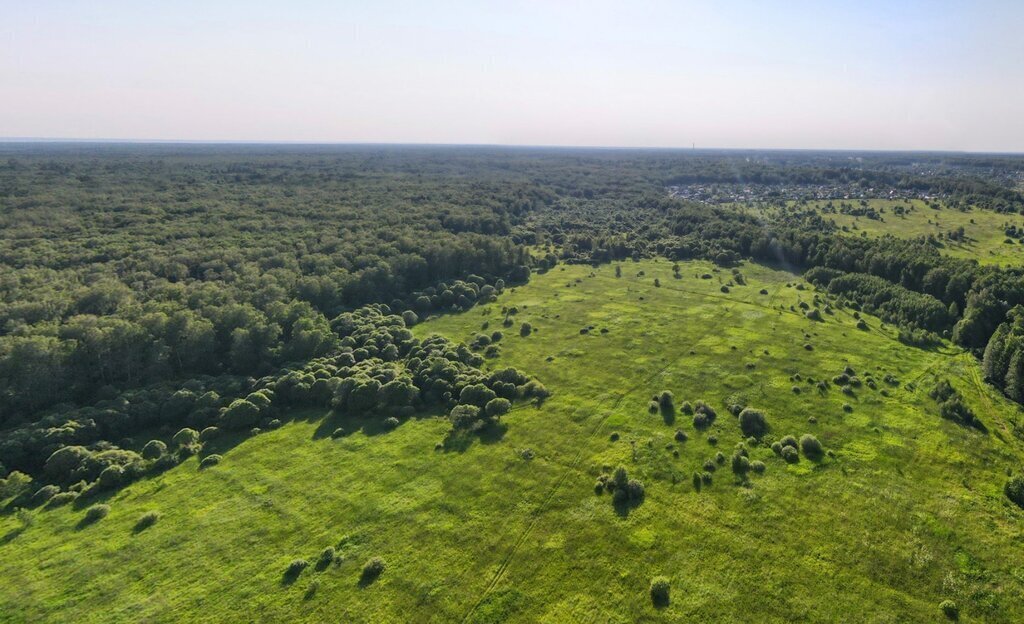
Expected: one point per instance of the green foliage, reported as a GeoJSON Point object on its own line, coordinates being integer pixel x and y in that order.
{"type": "Point", "coordinates": [753, 423]}
{"type": "Point", "coordinates": [372, 570]}
{"type": "Point", "coordinates": [1014, 490]}
{"type": "Point", "coordinates": [95, 513]}
{"type": "Point", "coordinates": [811, 447]}
{"type": "Point", "coordinates": [660, 586]}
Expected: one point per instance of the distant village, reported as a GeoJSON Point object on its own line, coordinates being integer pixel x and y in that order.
{"type": "Point", "coordinates": [719, 193]}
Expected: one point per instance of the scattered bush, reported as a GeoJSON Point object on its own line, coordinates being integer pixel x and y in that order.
{"type": "Point", "coordinates": [44, 494]}
{"type": "Point", "coordinates": [391, 422]}
{"type": "Point", "coordinates": [740, 464]}
{"type": "Point", "coordinates": [210, 460]}
{"type": "Point", "coordinates": [95, 513]}
{"type": "Point", "coordinates": [753, 423]}
{"type": "Point", "coordinates": [757, 466]}
{"type": "Point", "coordinates": [790, 454]}
{"type": "Point", "coordinates": [949, 609]}
{"type": "Point", "coordinates": [680, 436]}
{"type": "Point", "coordinates": [326, 557]}
{"type": "Point", "coordinates": [660, 591]}
{"type": "Point", "coordinates": [811, 446]}
{"type": "Point", "coordinates": [372, 569]}
{"type": "Point", "coordinates": [1014, 490]}
{"type": "Point", "coordinates": [147, 520]}
{"type": "Point", "coordinates": [185, 437]}
{"type": "Point", "coordinates": [295, 568]}
{"type": "Point", "coordinates": [154, 449]}
{"type": "Point", "coordinates": [525, 330]}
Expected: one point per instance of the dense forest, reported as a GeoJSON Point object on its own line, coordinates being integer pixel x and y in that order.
{"type": "Point", "coordinates": [151, 295]}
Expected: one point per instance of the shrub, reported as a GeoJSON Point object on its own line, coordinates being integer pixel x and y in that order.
{"type": "Point", "coordinates": [777, 448]}
{"type": "Point", "coordinates": [210, 460]}
{"type": "Point", "coordinates": [950, 609]}
{"type": "Point", "coordinates": [686, 408]}
{"type": "Point", "coordinates": [525, 330]}
{"type": "Point", "coordinates": [720, 458]}
{"type": "Point", "coordinates": [111, 477]}
{"type": "Point", "coordinates": [753, 423]}
{"type": "Point", "coordinates": [147, 520]}
{"type": "Point", "coordinates": [740, 464]}
{"type": "Point", "coordinates": [660, 590]}
{"type": "Point", "coordinates": [240, 414]}
{"type": "Point", "coordinates": [62, 499]}
{"type": "Point", "coordinates": [706, 478]}
{"type": "Point", "coordinates": [666, 401]}
{"type": "Point", "coordinates": [154, 449]}
{"type": "Point", "coordinates": [497, 407]}
{"type": "Point", "coordinates": [710, 466]}
{"type": "Point", "coordinates": [326, 557]}
{"type": "Point", "coordinates": [391, 422]}
{"type": "Point", "coordinates": [635, 490]}
{"type": "Point", "coordinates": [790, 454]}
{"type": "Point", "coordinates": [757, 466]}
{"type": "Point", "coordinates": [95, 513]}
{"type": "Point", "coordinates": [811, 446]}
{"type": "Point", "coordinates": [372, 569]}
{"type": "Point", "coordinates": [789, 441]}
{"type": "Point", "coordinates": [185, 437]}
{"type": "Point", "coordinates": [680, 436]}
{"type": "Point", "coordinates": [1014, 490]}
{"type": "Point", "coordinates": [295, 568]}
{"type": "Point", "coordinates": [44, 494]}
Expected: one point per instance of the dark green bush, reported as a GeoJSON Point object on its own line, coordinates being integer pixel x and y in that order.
{"type": "Point", "coordinates": [757, 466]}
{"type": "Point", "coordinates": [811, 446]}
{"type": "Point", "coordinates": [209, 461]}
{"type": "Point", "coordinates": [660, 591]}
{"type": "Point", "coordinates": [147, 520]}
{"type": "Point", "coordinates": [1014, 490]}
{"type": "Point", "coordinates": [680, 436]}
{"type": "Point", "coordinates": [154, 449]}
{"type": "Point", "coordinates": [525, 330]}
{"type": "Point", "coordinates": [753, 423]}
{"type": "Point", "coordinates": [949, 609]}
{"type": "Point", "coordinates": [790, 454]}
{"type": "Point", "coordinates": [95, 513]}
{"type": "Point", "coordinates": [372, 569]}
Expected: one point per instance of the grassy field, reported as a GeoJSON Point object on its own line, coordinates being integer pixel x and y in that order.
{"type": "Point", "coordinates": [906, 512]}
{"type": "Point", "coordinates": [985, 230]}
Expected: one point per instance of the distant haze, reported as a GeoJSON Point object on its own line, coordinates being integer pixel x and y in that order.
{"type": "Point", "coordinates": [852, 75]}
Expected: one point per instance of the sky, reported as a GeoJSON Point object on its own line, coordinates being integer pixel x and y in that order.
{"type": "Point", "coordinates": [927, 75]}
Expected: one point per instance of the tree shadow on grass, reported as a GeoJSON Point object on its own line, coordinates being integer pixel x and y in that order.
{"type": "Point", "coordinates": [460, 441]}
{"type": "Point", "coordinates": [668, 414]}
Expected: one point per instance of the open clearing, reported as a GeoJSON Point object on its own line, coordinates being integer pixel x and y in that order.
{"type": "Point", "coordinates": [986, 238]}
{"type": "Point", "coordinates": [908, 512]}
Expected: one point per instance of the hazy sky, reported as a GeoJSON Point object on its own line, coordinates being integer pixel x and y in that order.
{"type": "Point", "coordinates": [857, 74]}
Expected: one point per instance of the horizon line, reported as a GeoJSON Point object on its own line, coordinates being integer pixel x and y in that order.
{"type": "Point", "coordinates": [288, 142]}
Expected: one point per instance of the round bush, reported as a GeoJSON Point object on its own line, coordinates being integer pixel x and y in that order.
{"type": "Point", "coordinates": [391, 422]}
{"type": "Point", "coordinates": [154, 449]}
{"type": "Point", "coordinates": [753, 423]}
{"type": "Point", "coordinates": [789, 441]}
{"type": "Point", "coordinates": [811, 446]}
{"type": "Point", "coordinates": [1014, 490]}
{"type": "Point", "coordinates": [525, 330]}
{"type": "Point", "coordinates": [44, 494]}
{"type": "Point", "coordinates": [757, 466]}
{"type": "Point", "coordinates": [326, 556]}
{"type": "Point", "coordinates": [210, 460]}
{"type": "Point", "coordinates": [740, 465]}
{"type": "Point", "coordinates": [372, 569]}
{"type": "Point", "coordinates": [790, 454]}
{"type": "Point", "coordinates": [296, 567]}
{"type": "Point", "coordinates": [660, 590]}
{"type": "Point", "coordinates": [680, 436]}
{"type": "Point", "coordinates": [208, 434]}
{"type": "Point", "coordinates": [949, 609]}
{"type": "Point", "coordinates": [96, 513]}
{"type": "Point", "coordinates": [185, 437]}
{"type": "Point", "coordinates": [147, 520]}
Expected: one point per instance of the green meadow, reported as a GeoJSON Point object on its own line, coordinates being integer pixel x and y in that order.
{"type": "Point", "coordinates": [904, 511]}
{"type": "Point", "coordinates": [986, 240]}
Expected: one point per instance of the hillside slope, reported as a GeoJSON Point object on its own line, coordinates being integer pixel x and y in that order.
{"type": "Point", "coordinates": [906, 511]}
